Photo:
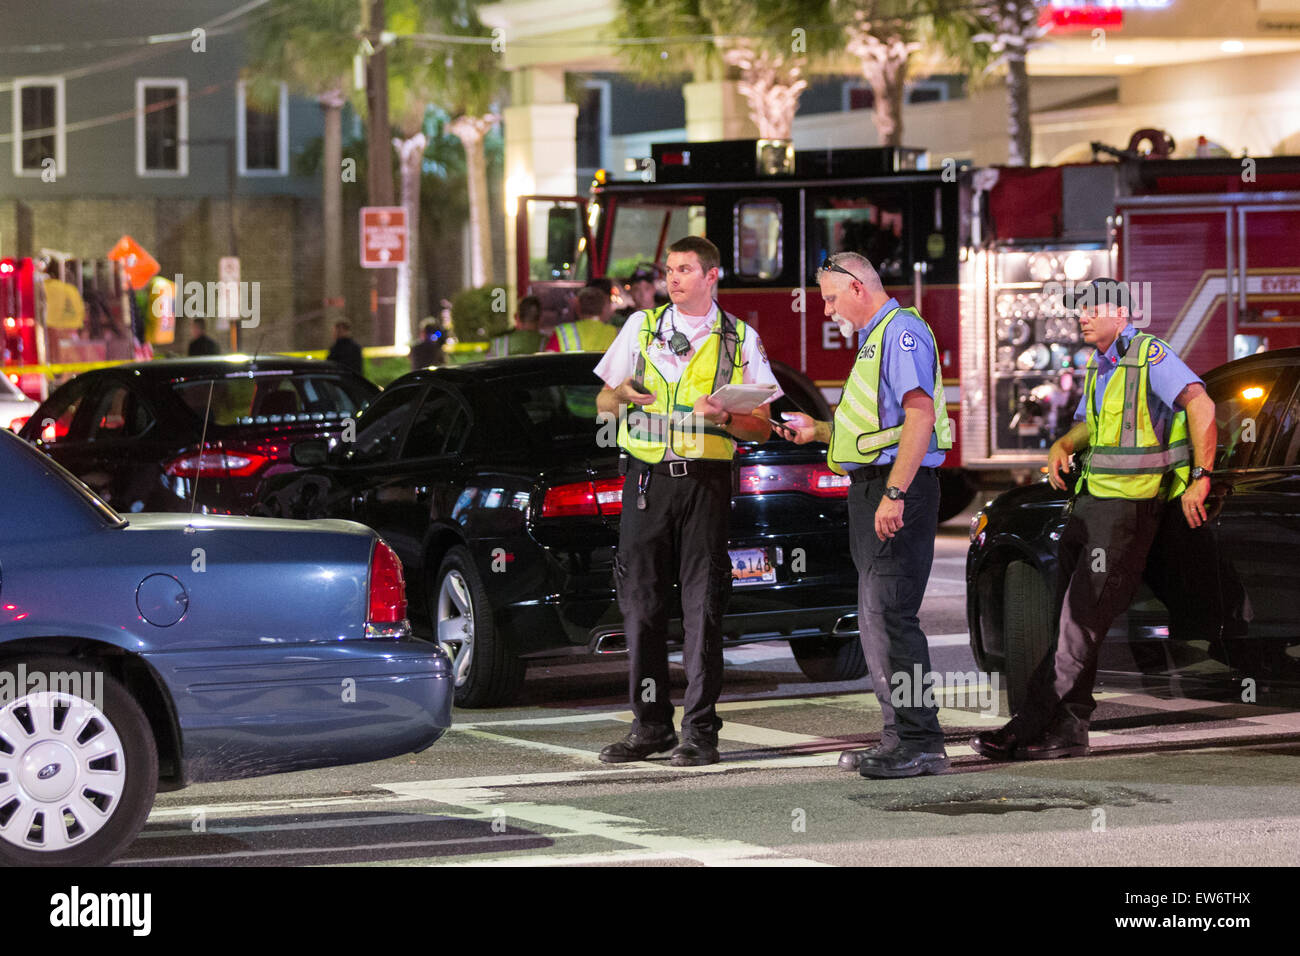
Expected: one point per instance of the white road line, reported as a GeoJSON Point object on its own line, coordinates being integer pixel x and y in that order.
{"type": "Point", "coordinates": [333, 823]}
{"type": "Point", "coordinates": [239, 855]}
{"type": "Point", "coordinates": [587, 756]}
{"type": "Point", "coordinates": [607, 826]}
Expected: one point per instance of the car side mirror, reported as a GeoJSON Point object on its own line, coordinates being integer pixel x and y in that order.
{"type": "Point", "coordinates": [310, 453]}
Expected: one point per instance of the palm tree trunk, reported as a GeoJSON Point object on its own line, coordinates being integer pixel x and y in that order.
{"type": "Point", "coordinates": [471, 130]}
{"type": "Point", "coordinates": [1018, 129]}
{"type": "Point", "coordinates": [410, 153]}
{"type": "Point", "coordinates": [332, 303]}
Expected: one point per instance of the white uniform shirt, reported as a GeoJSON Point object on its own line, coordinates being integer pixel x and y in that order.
{"type": "Point", "coordinates": [619, 361]}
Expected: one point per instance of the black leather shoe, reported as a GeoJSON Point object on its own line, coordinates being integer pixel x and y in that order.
{"type": "Point", "coordinates": [695, 753]}
{"type": "Point", "coordinates": [904, 762]}
{"type": "Point", "coordinates": [1053, 744]}
{"type": "Point", "coordinates": [852, 759]}
{"type": "Point", "coordinates": [998, 744]}
{"type": "Point", "coordinates": [637, 747]}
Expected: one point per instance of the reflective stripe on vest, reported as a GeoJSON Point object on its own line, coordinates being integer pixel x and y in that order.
{"type": "Point", "coordinates": [856, 435]}
{"type": "Point", "coordinates": [1126, 459]}
{"type": "Point", "coordinates": [646, 431]}
{"type": "Point", "coordinates": [570, 340]}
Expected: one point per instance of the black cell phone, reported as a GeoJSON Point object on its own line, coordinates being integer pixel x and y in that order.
{"type": "Point", "coordinates": [639, 386]}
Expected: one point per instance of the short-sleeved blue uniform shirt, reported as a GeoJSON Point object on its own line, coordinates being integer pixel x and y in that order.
{"type": "Point", "coordinates": [1166, 379]}
{"type": "Point", "coordinates": [908, 362]}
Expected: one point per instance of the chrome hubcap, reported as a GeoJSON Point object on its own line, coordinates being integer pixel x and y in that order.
{"type": "Point", "coordinates": [456, 624]}
{"type": "Point", "coordinates": [62, 771]}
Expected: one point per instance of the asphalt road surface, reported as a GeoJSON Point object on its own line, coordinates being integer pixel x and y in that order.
{"type": "Point", "coordinates": [1171, 782]}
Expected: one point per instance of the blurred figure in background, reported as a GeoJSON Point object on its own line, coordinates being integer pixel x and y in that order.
{"type": "Point", "coordinates": [345, 350]}
{"type": "Point", "coordinates": [592, 332]}
{"type": "Point", "coordinates": [200, 342]}
{"type": "Point", "coordinates": [428, 350]}
{"type": "Point", "coordinates": [525, 338]}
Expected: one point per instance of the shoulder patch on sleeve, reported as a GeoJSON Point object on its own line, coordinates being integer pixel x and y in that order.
{"type": "Point", "coordinates": [1156, 352]}
{"type": "Point", "coordinates": [907, 342]}
{"type": "Point", "coordinates": [761, 351]}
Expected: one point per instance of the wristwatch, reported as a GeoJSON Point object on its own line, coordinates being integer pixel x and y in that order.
{"type": "Point", "coordinates": [893, 494]}
{"type": "Point", "coordinates": [1199, 472]}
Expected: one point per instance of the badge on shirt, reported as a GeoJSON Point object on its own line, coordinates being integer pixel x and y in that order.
{"type": "Point", "coordinates": [868, 351]}
{"type": "Point", "coordinates": [1156, 352]}
{"type": "Point", "coordinates": [907, 342]}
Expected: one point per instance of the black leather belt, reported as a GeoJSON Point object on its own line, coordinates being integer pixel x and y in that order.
{"type": "Point", "coordinates": [872, 472]}
{"type": "Point", "coordinates": [698, 468]}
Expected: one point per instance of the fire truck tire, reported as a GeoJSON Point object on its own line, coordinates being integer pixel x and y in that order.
{"type": "Point", "coordinates": [956, 491]}
{"type": "Point", "coordinates": [1028, 631]}
{"type": "Point", "coordinates": [829, 658]}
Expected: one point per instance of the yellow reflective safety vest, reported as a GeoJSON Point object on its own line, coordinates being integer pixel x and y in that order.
{"type": "Point", "coordinates": [647, 431]}
{"type": "Point", "coordinates": [1126, 458]}
{"type": "Point", "coordinates": [585, 335]}
{"type": "Point", "coordinates": [856, 435]}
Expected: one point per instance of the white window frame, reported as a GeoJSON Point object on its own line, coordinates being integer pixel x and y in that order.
{"type": "Point", "coordinates": [182, 88]}
{"type": "Point", "coordinates": [60, 124]}
{"type": "Point", "coordinates": [605, 87]}
{"type": "Point", "coordinates": [241, 133]}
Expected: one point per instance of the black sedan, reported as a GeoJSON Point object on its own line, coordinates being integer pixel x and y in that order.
{"type": "Point", "coordinates": [133, 432]}
{"type": "Point", "coordinates": [501, 494]}
{"type": "Point", "coordinates": [1218, 610]}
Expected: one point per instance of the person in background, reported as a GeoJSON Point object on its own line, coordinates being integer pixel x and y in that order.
{"type": "Point", "coordinates": [592, 332]}
{"type": "Point", "coordinates": [428, 350]}
{"type": "Point", "coordinates": [345, 350]}
{"type": "Point", "coordinates": [524, 338]}
{"type": "Point", "coordinates": [639, 292]}
{"type": "Point", "coordinates": [200, 342]}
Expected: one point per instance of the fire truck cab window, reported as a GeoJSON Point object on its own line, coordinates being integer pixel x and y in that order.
{"type": "Point", "coordinates": [637, 229]}
{"type": "Point", "coordinates": [870, 226]}
{"type": "Point", "coordinates": [758, 238]}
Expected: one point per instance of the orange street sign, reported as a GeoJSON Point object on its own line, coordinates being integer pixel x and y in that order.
{"type": "Point", "coordinates": [140, 266]}
{"type": "Point", "coordinates": [383, 236]}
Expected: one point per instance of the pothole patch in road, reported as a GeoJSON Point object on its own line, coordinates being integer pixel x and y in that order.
{"type": "Point", "coordinates": [997, 801]}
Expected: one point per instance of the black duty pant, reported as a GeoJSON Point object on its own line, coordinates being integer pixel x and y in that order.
{"type": "Point", "coordinates": [680, 537]}
{"type": "Point", "coordinates": [892, 575]}
{"type": "Point", "coordinates": [1104, 547]}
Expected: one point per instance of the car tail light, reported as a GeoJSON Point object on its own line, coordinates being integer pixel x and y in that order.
{"type": "Point", "coordinates": [584, 498]}
{"type": "Point", "coordinates": [386, 597]}
{"type": "Point", "coordinates": [18, 422]}
{"type": "Point", "coordinates": [216, 462]}
{"type": "Point", "coordinates": [816, 479]}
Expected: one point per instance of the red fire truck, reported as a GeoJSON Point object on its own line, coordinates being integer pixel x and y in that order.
{"type": "Point", "coordinates": [986, 254]}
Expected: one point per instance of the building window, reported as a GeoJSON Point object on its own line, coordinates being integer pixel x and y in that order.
{"type": "Point", "coordinates": [592, 128]}
{"type": "Point", "coordinates": [39, 134]}
{"type": "Point", "coordinates": [263, 132]}
{"type": "Point", "coordinates": [162, 127]}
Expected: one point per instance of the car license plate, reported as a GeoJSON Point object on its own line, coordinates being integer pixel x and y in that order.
{"type": "Point", "coordinates": [751, 566]}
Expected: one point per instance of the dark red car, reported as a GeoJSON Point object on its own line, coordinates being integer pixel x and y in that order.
{"type": "Point", "coordinates": [133, 432]}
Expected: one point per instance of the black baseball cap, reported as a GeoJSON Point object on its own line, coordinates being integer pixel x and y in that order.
{"type": "Point", "coordinates": [1098, 292]}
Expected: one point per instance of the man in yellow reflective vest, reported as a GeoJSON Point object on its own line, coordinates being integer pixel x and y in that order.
{"type": "Point", "coordinates": [1147, 426]}
{"type": "Point", "coordinates": [659, 376]}
{"type": "Point", "coordinates": [890, 434]}
{"type": "Point", "coordinates": [592, 332]}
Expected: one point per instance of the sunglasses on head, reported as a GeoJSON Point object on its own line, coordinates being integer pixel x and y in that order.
{"type": "Point", "coordinates": [830, 265]}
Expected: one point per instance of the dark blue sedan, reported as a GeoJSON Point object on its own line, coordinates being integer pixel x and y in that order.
{"type": "Point", "coordinates": [164, 650]}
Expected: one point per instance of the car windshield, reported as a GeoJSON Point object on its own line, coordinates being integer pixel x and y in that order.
{"type": "Point", "coordinates": [271, 396]}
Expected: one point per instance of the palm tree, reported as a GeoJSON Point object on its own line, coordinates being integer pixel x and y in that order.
{"type": "Point", "coordinates": [1009, 29]}
{"type": "Point", "coordinates": [310, 47]}
{"type": "Point", "coordinates": [464, 76]}
{"type": "Point", "coordinates": [768, 43]}
{"type": "Point", "coordinates": [883, 35]}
